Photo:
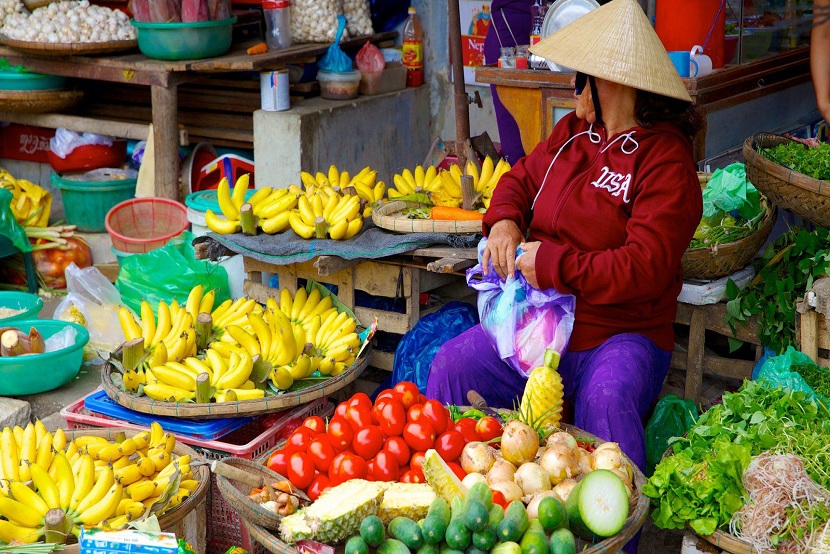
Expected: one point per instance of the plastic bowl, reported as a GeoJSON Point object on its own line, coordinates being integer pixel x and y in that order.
{"type": "Point", "coordinates": [90, 156]}
{"type": "Point", "coordinates": [31, 303]}
{"type": "Point", "coordinates": [140, 225]}
{"type": "Point", "coordinates": [339, 86]}
{"type": "Point", "coordinates": [38, 373]}
{"type": "Point", "coordinates": [184, 41]}
{"type": "Point", "coordinates": [30, 81]}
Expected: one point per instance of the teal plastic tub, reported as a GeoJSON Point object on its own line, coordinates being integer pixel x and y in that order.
{"type": "Point", "coordinates": [13, 80]}
{"type": "Point", "coordinates": [86, 203]}
{"type": "Point", "coordinates": [31, 304]}
{"type": "Point", "coordinates": [184, 41]}
{"type": "Point", "coordinates": [121, 256]}
{"type": "Point", "coordinates": [22, 375]}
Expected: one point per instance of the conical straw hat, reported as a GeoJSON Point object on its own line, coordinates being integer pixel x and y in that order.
{"type": "Point", "coordinates": [615, 42]}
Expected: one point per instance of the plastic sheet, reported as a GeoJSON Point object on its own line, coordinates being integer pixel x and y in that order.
{"type": "Point", "coordinates": [64, 142]}
{"type": "Point", "coordinates": [9, 227]}
{"type": "Point", "coordinates": [728, 191]}
{"type": "Point", "coordinates": [776, 371]}
{"type": "Point", "coordinates": [673, 417]}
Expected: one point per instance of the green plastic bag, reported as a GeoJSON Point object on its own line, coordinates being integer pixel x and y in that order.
{"type": "Point", "coordinates": [729, 191]}
{"type": "Point", "coordinates": [168, 273]}
{"type": "Point", "coordinates": [776, 371]}
{"type": "Point", "coordinates": [673, 417]}
{"type": "Point", "coordinates": [9, 228]}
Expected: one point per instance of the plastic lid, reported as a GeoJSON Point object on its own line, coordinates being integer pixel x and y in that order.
{"type": "Point", "coordinates": [332, 76]}
{"type": "Point", "coordinates": [205, 200]}
{"type": "Point", "coordinates": [412, 9]}
{"type": "Point", "coordinates": [275, 4]}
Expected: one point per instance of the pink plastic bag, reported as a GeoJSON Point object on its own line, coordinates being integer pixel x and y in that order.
{"type": "Point", "coordinates": [194, 11]}
{"type": "Point", "coordinates": [141, 10]}
{"type": "Point", "coordinates": [165, 11]}
{"type": "Point", "coordinates": [219, 9]}
{"type": "Point", "coordinates": [370, 59]}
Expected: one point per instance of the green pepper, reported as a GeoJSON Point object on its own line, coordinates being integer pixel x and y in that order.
{"type": "Point", "coordinates": [473, 413]}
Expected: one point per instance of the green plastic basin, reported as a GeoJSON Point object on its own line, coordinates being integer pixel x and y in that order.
{"type": "Point", "coordinates": [184, 41]}
{"type": "Point", "coordinates": [31, 303]}
{"type": "Point", "coordinates": [11, 80]}
{"type": "Point", "coordinates": [22, 375]}
{"type": "Point", "coordinates": [86, 203]}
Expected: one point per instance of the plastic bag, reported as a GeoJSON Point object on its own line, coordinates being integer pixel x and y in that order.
{"type": "Point", "coordinates": [92, 302]}
{"type": "Point", "coordinates": [195, 11]}
{"type": "Point", "coordinates": [673, 417]}
{"type": "Point", "coordinates": [168, 273]}
{"type": "Point", "coordinates": [521, 321]}
{"type": "Point", "coordinates": [776, 372]}
{"type": "Point", "coordinates": [335, 60]}
{"type": "Point", "coordinates": [141, 10]}
{"type": "Point", "coordinates": [418, 346]}
{"type": "Point", "coordinates": [219, 9]}
{"type": "Point", "coordinates": [64, 142]}
{"type": "Point", "coordinates": [31, 205]}
{"type": "Point", "coordinates": [370, 59]}
{"type": "Point", "coordinates": [358, 17]}
{"type": "Point", "coordinates": [314, 20]}
{"type": "Point", "coordinates": [64, 338]}
{"type": "Point", "coordinates": [729, 191]}
{"type": "Point", "coordinates": [9, 227]}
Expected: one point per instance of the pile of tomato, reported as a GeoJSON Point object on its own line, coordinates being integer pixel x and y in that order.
{"type": "Point", "coordinates": [381, 441]}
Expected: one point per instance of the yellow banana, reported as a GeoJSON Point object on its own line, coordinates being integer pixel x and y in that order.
{"type": "Point", "coordinates": [317, 206]}
{"type": "Point", "coordinates": [334, 175]}
{"type": "Point", "coordinates": [148, 323]}
{"type": "Point", "coordinates": [167, 393]}
{"type": "Point", "coordinates": [17, 431]}
{"type": "Point", "coordinates": [299, 227]}
{"type": "Point", "coordinates": [276, 224]}
{"type": "Point", "coordinates": [304, 207]}
{"type": "Point", "coordinates": [353, 228]}
{"type": "Point", "coordinates": [263, 333]}
{"type": "Point", "coordinates": [46, 487]}
{"type": "Point", "coordinates": [431, 172]}
{"type": "Point", "coordinates": [59, 440]}
{"type": "Point", "coordinates": [344, 180]}
{"type": "Point", "coordinates": [19, 513]}
{"type": "Point", "coordinates": [307, 179]}
{"type": "Point", "coordinates": [18, 534]}
{"type": "Point", "coordinates": [169, 376]}
{"type": "Point", "coordinates": [164, 323]}
{"type": "Point", "coordinates": [244, 339]}
{"type": "Point", "coordinates": [27, 496]}
{"type": "Point", "coordinates": [128, 447]}
{"type": "Point", "coordinates": [221, 226]}
{"type": "Point", "coordinates": [300, 298]}
{"type": "Point", "coordinates": [206, 305]}
{"type": "Point", "coordinates": [235, 395]}
{"type": "Point", "coordinates": [486, 173]}
{"type": "Point", "coordinates": [40, 431]}
{"type": "Point", "coordinates": [134, 510]}
{"type": "Point", "coordinates": [419, 176]}
{"type": "Point", "coordinates": [128, 324]}
{"type": "Point", "coordinates": [156, 434]}
{"type": "Point", "coordinates": [472, 171]}
{"type": "Point", "coordinates": [282, 378]}
{"type": "Point", "coordinates": [198, 366]}
{"type": "Point", "coordinates": [141, 491]}
{"type": "Point", "coordinates": [260, 195]}
{"type": "Point", "coordinates": [109, 453]}
{"type": "Point", "coordinates": [194, 300]}
{"type": "Point", "coordinates": [128, 475]}
{"type": "Point", "coordinates": [226, 203]}
{"type": "Point", "coordinates": [84, 481]}
{"type": "Point", "coordinates": [104, 508]}
{"type": "Point", "coordinates": [28, 452]}
{"type": "Point", "coordinates": [99, 490]}
{"type": "Point", "coordinates": [331, 205]}
{"type": "Point", "coordinates": [146, 466]}
{"type": "Point", "coordinates": [410, 179]}
{"type": "Point", "coordinates": [238, 373]}
{"type": "Point", "coordinates": [338, 230]}
{"type": "Point", "coordinates": [64, 479]}
{"type": "Point", "coordinates": [379, 190]}
{"type": "Point", "coordinates": [45, 452]}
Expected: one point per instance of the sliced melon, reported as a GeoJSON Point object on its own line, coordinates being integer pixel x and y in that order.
{"type": "Point", "coordinates": [441, 478]}
{"type": "Point", "coordinates": [598, 505]}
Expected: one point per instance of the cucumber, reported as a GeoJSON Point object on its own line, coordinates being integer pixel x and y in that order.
{"type": "Point", "coordinates": [598, 505]}
{"type": "Point", "coordinates": [534, 542]}
{"type": "Point", "coordinates": [457, 508]}
{"type": "Point", "coordinates": [428, 548]}
{"type": "Point", "coordinates": [552, 513]}
{"type": "Point", "coordinates": [507, 548]}
{"type": "Point", "coordinates": [392, 546]}
{"type": "Point", "coordinates": [473, 550]}
{"type": "Point", "coordinates": [562, 541]}
{"type": "Point", "coordinates": [534, 526]}
{"type": "Point", "coordinates": [481, 492]}
{"type": "Point", "coordinates": [476, 516]}
{"type": "Point", "coordinates": [406, 531]}
{"type": "Point", "coordinates": [433, 529]}
{"type": "Point", "coordinates": [458, 536]}
{"type": "Point", "coordinates": [496, 515]}
{"type": "Point", "coordinates": [485, 539]}
{"type": "Point", "coordinates": [440, 509]}
{"type": "Point", "coordinates": [445, 549]}
{"type": "Point", "coordinates": [356, 545]}
{"type": "Point", "coordinates": [514, 524]}
{"type": "Point", "coordinates": [371, 531]}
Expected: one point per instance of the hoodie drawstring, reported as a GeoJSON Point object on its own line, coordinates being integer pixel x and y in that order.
{"type": "Point", "coordinates": [626, 138]}
{"type": "Point", "coordinates": [593, 136]}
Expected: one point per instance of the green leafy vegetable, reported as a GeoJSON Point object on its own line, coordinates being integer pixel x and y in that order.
{"type": "Point", "coordinates": [816, 377]}
{"type": "Point", "coordinates": [813, 162]}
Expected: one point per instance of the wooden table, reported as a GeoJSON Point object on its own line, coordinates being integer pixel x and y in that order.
{"type": "Point", "coordinates": [163, 78]}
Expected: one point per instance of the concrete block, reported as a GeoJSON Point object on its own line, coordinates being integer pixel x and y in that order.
{"type": "Point", "coordinates": [101, 246]}
{"type": "Point", "coordinates": [14, 412]}
{"type": "Point", "coordinates": [54, 422]}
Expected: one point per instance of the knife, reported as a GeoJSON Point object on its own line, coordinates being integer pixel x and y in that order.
{"type": "Point", "coordinates": [477, 401]}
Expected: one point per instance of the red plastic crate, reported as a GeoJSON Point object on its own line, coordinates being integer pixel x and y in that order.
{"type": "Point", "coordinates": [25, 142]}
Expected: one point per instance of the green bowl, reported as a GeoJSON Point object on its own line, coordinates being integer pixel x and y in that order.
{"type": "Point", "coordinates": [31, 303]}
{"type": "Point", "coordinates": [10, 80]}
{"type": "Point", "coordinates": [184, 41]}
{"type": "Point", "coordinates": [36, 373]}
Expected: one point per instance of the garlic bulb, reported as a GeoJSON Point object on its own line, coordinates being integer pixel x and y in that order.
{"type": "Point", "coordinates": [74, 21]}
{"type": "Point", "coordinates": [9, 7]}
{"type": "Point", "coordinates": [358, 17]}
{"type": "Point", "coordinates": [315, 21]}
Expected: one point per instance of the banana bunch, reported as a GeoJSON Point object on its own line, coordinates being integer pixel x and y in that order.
{"type": "Point", "coordinates": [365, 183]}
{"type": "Point", "coordinates": [267, 207]}
{"type": "Point", "coordinates": [14, 342]}
{"type": "Point", "coordinates": [337, 216]}
{"type": "Point", "coordinates": [444, 187]}
{"type": "Point", "coordinates": [31, 204]}
{"type": "Point", "coordinates": [421, 181]}
{"type": "Point", "coordinates": [93, 481]}
{"type": "Point", "coordinates": [485, 182]}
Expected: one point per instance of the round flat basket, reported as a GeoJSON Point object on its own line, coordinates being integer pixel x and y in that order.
{"type": "Point", "coordinates": [38, 101]}
{"type": "Point", "coordinates": [235, 493]}
{"type": "Point", "coordinates": [728, 543]}
{"type": "Point", "coordinates": [241, 408]}
{"type": "Point", "coordinates": [390, 217]}
{"type": "Point", "coordinates": [69, 48]}
{"type": "Point", "coordinates": [802, 195]}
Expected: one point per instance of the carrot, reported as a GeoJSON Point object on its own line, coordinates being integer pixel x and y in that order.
{"type": "Point", "coordinates": [446, 213]}
{"type": "Point", "coordinates": [260, 48]}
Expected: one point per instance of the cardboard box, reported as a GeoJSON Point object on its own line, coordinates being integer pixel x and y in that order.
{"type": "Point", "coordinates": [100, 541]}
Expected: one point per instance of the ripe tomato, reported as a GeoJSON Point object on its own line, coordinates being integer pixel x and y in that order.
{"type": "Point", "coordinates": [415, 412]}
{"type": "Point", "coordinates": [370, 470]}
{"type": "Point", "coordinates": [422, 399]}
{"type": "Point", "coordinates": [398, 448]}
{"type": "Point", "coordinates": [419, 435]}
{"type": "Point", "coordinates": [346, 466]}
{"type": "Point", "coordinates": [289, 427]}
{"type": "Point", "coordinates": [408, 393]}
{"type": "Point", "coordinates": [488, 428]}
{"type": "Point", "coordinates": [278, 462]}
{"type": "Point", "coordinates": [321, 452]}
{"type": "Point", "coordinates": [498, 498]}
{"type": "Point", "coordinates": [437, 414]}
{"type": "Point", "coordinates": [392, 418]}
{"type": "Point", "coordinates": [457, 469]}
{"type": "Point", "coordinates": [359, 417]}
{"type": "Point", "coordinates": [316, 424]}
{"type": "Point", "coordinates": [417, 461]}
{"type": "Point", "coordinates": [340, 433]}
{"type": "Point", "coordinates": [320, 484]}
{"type": "Point", "coordinates": [387, 394]}
{"type": "Point", "coordinates": [341, 409]}
{"type": "Point", "coordinates": [367, 442]}
{"type": "Point", "coordinates": [449, 445]}
{"type": "Point", "coordinates": [413, 476]}
{"type": "Point", "coordinates": [299, 440]}
{"type": "Point", "coordinates": [467, 428]}
{"type": "Point", "coordinates": [385, 467]}
{"type": "Point", "coordinates": [360, 399]}
{"type": "Point", "coordinates": [300, 470]}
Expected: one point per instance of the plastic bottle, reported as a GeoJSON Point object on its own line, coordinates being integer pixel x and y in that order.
{"type": "Point", "coordinates": [413, 50]}
{"type": "Point", "coordinates": [277, 24]}
{"type": "Point", "coordinates": [538, 11]}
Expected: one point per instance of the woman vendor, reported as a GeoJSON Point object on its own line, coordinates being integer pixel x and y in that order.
{"type": "Point", "coordinates": [604, 210]}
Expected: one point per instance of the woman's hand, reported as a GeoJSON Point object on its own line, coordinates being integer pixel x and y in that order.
{"type": "Point", "coordinates": [502, 241]}
{"type": "Point", "coordinates": [526, 263]}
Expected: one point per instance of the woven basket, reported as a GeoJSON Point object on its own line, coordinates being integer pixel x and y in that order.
{"type": "Point", "coordinates": [38, 101]}
{"type": "Point", "coordinates": [32, 5]}
{"type": "Point", "coordinates": [69, 48]}
{"type": "Point", "coordinates": [802, 195]}
{"type": "Point", "coordinates": [389, 217]}
{"type": "Point", "coordinates": [728, 543]}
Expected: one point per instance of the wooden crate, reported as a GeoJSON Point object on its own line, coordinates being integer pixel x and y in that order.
{"type": "Point", "coordinates": [814, 336]}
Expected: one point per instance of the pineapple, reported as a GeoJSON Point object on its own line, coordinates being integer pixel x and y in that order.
{"type": "Point", "coordinates": [337, 514]}
{"type": "Point", "coordinates": [441, 478]}
{"type": "Point", "coordinates": [294, 528]}
{"type": "Point", "coordinates": [541, 406]}
{"type": "Point", "coordinates": [410, 500]}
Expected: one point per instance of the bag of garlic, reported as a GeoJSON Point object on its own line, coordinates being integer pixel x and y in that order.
{"type": "Point", "coordinates": [315, 20]}
{"type": "Point", "coordinates": [358, 17]}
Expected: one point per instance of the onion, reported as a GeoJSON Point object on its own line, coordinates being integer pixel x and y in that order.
{"type": "Point", "coordinates": [533, 505]}
{"type": "Point", "coordinates": [609, 444]}
{"type": "Point", "coordinates": [564, 488]}
{"type": "Point", "coordinates": [509, 489]}
{"type": "Point", "coordinates": [532, 478]}
{"type": "Point", "coordinates": [541, 451]}
{"type": "Point", "coordinates": [477, 457]}
{"type": "Point", "coordinates": [519, 442]}
{"type": "Point", "coordinates": [472, 478]}
{"type": "Point", "coordinates": [583, 458]}
{"type": "Point", "coordinates": [562, 437]}
{"type": "Point", "coordinates": [623, 475]}
{"type": "Point", "coordinates": [500, 472]}
{"type": "Point", "coordinates": [607, 458]}
{"type": "Point", "coordinates": [560, 463]}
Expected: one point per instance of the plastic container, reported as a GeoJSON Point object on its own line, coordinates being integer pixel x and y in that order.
{"type": "Point", "coordinates": [30, 303]}
{"type": "Point", "coordinates": [391, 79]}
{"type": "Point", "coordinates": [12, 80]}
{"type": "Point", "coordinates": [184, 41]}
{"type": "Point", "coordinates": [121, 256]}
{"type": "Point", "coordinates": [144, 224]}
{"type": "Point", "coordinates": [87, 202]}
{"type": "Point", "coordinates": [277, 24]}
{"type": "Point", "coordinates": [90, 156]}
{"type": "Point", "coordinates": [680, 25]}
{"type": "Point", "coordinates": [339, 86]}
{"type": "Point", "coordinates": [38, 373]}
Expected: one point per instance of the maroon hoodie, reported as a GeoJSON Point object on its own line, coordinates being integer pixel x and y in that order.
{"type": "Point", "coordinates": [614, 218]}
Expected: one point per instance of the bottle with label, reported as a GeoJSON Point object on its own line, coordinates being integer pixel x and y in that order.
{"type": "Point", "coordinates": [538, 11]}
{"type": "Point", "coordinates": [413, 50]}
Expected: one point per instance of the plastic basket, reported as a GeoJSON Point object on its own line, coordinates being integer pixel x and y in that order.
{"type": "Point", "coordinates": [144, 224]}
{"type": "Point", "coordinates": [86, 203]}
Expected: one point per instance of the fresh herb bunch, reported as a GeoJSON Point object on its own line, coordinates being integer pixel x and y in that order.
{"type": "Point", "coordinates": [783, 274]}
{"type": "Point", "coordinates": [817, 378]}
{"type": "Point", "coordinates": [730, 229]}
{"type": "Point", "coordinates": [814, 162]}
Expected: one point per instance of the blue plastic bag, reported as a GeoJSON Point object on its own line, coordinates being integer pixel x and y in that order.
{"type": "Point", "coordinates": [335, 60]}
{"type": "Point", "coordinates": [418, 347]}
{"type": "Point", "coordinates": [521, 321]}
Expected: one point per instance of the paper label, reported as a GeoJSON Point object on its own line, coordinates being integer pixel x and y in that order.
{"type": "Point", "coordinates": [412, 54]}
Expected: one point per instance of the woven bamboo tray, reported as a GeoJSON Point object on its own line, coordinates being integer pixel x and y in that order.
{"type": "Point", "coordinates": [389, 217]}
{"type": "Point", "coordinates": [802, 195]}
{"type": "Point", "coordinates": [38, 101]}
{"type": "Point", "coordinates": [728, 543]}
{"type": "Point", "coordinates": [236, 493]}
{"type": "Point", "coordinates": [637, 513]}
{"type": "Point", "coordinates": [69, 48]}
{"type": "Point", "coordinates": [217, 410]}
{"type": "Point", "coordinates": [32, 5]}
